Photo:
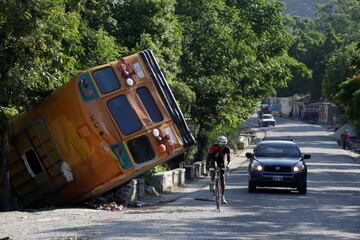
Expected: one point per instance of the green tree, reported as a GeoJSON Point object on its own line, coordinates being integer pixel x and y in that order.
{"type": "Point", "coordinates": [343, 18]}
{"type": "Point", "coordinates": [184, 96]}
{"type": "Point", "coordinates": [306, 47]}
{"type": "Point", "coordinates": [348, 97]}
{"type": "Point", "coordinates": [42, 47]}
{"type": "Point", "coordinates": [340, 15]}
{"type": "Point", "coordinates": [142, 24]}
{"type": "Point", "coordinates": [322, 45]}
{"type": "Point", "coordinates": [300, 81]}
{"type": "Point", "coordinates": [234, 54]}
{"type": "Point", "coordinates": [33, 60]}
{"type": "Point", "coordinates": [337, 70]}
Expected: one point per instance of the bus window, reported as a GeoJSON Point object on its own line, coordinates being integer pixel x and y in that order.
{"type": "Point", "coordinates": [124, 115]}
{"type": "Point", "coordinates": [149, 104]}
{"type": "Point", "coordinates": [106, 80]}
{"type": "Point", "coordinates": [32, 162]}
{"type": "Point", "coordinates": [141, 149]}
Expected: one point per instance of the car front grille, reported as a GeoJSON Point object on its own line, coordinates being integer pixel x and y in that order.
{"type": "Point", "coordinates": [277, 169]}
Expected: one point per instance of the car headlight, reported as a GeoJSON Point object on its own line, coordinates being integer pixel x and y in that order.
{"type": "Point", "coordinates": [299, 166]}
{"type": "Point", "coordinates": [256, 166]}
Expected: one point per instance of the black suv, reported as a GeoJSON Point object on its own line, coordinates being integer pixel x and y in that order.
{"type": "Point", "coordinates": [277, 163]}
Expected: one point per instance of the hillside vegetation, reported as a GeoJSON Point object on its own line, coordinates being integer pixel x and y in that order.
{"type": "Point", "coordinates": [221, 57]}
{"type": "Point", "coordinates": [302, 8]}
{"type": "Point", "coordinates": [329, 47]}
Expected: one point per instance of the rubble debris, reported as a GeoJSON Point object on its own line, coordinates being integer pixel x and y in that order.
{"type": "Point", "coordinates": [113, 206]}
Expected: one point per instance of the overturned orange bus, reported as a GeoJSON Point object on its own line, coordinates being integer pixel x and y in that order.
{"type": "Point", "coordinates": [104, 127]}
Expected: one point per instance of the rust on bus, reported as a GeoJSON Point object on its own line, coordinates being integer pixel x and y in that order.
{"type": "Point", "coordinates": [104, 127]}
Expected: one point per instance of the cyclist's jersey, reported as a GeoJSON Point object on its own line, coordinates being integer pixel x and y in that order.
{"type": "Point", "coordinates": [216, 153]}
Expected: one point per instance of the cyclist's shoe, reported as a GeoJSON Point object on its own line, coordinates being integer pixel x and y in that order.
{"type": "Point", "coordinates": [223, 199]}
{"type": "Point", "coordinates": [211, 186]}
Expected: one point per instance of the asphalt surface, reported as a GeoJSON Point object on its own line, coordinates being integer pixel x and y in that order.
{"type": "Point", "coordinates": [330, 209]}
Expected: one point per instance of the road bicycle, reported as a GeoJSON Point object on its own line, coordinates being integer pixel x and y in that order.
{"type": "Point", "coordinates": [217, 188]}
{"type": "Point", "coordinates": [348, 145]}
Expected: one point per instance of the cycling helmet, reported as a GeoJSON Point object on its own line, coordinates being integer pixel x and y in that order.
{"type": "Point", "coordinates": [222, 140]}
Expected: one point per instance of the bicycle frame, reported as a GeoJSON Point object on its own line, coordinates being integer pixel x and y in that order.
{"type": "Point", "coordinates": [217, 191]}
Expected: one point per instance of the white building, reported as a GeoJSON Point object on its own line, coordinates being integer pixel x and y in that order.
{"type": "Point", "coordinates": [287, 104]}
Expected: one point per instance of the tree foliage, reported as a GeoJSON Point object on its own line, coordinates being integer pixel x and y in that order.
{"type": "Point", "coordinates": [221, 56]}
{"type": "Point", "coordinates": [348, 97]}
{"type": "Point", "coordinates": [329, 47]}
{"type": "Point", "coordinates": [234, 54]}
{"type": "Point", "coordinates": [142, 24]}
{"type": "Point", "coordinates": [325, 45]}
{"type": "Point", "coordinates": [42, 47]}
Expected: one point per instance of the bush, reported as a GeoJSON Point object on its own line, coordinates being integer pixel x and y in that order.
{"type": "Point", "coordinates": [160, 168]}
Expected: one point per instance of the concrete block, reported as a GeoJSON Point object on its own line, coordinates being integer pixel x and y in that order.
{"type": "Point", "coordinates": [243, 142]}
{"type": "Point", "coordinates": [203, 168]}
{"type": "Point", "coordinates": [181, 175]}
{"type": "Point", "coordinates": [190, 172]}
{"type": "Point", "coordinates": [197, 166]}
{"type": "Point", "coordinates": [127, 194]}
{"type": "Point", "coordinates": [140, 188]}
{"type": "Point", "coordinates": [176, 176]}
{"type": "Point", "coordinates": [163, 181]}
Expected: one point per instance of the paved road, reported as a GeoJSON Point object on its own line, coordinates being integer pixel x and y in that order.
{"type": "Point", "coordinates": [330, 210]}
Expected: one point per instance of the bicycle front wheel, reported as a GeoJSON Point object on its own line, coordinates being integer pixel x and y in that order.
{"type": "Point", "coordinates": [218, 194]}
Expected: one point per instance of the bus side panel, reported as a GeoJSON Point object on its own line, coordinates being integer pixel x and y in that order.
{"type": "Point", "coordinates": [95, 155]}
{"type": "Point", "coordinates": [86, 155]}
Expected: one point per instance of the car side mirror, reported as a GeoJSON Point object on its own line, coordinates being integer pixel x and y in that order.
{"type": "Point", "coordinates": [249, 155]}
{"type": "Point", "coordinates": [307, 156]}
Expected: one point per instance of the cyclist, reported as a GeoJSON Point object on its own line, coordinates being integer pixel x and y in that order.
{"type": "Point", "coordinates": [217, 153]}
{"type": "Point", "coordinates": [345, 139]}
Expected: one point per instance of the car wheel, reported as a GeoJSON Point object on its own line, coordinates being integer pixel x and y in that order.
{"type": "Point", "coordinates": [251, 187]}
{"type": "Point", "coordinates": [302, 188]}
{"type": "Point", "coordinates": [274, 125]}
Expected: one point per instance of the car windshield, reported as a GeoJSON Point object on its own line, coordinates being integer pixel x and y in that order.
{"type": "Point", "coordinates": [267, 117]}
{"type": "Point", "coordinates": [277, 150]}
